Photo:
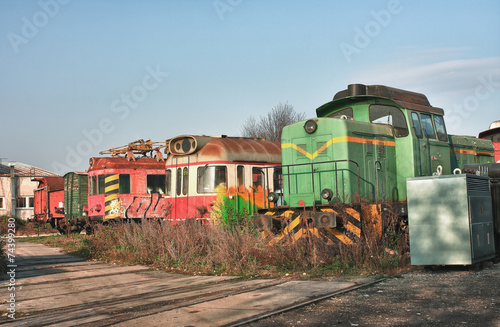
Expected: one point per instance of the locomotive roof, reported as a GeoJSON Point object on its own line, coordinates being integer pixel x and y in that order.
{"type": "Point", "coordinates": [489, 132]}
{"type": "Point", "coordinates": [235, 149]}
{"type": "Point", "coordinates": [56, 183]}
{"type": "Point", "coordinates": [406, 99]}
{"type": "Point", "coordinates": [124, 163]}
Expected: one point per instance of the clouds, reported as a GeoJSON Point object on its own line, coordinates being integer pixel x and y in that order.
{"type": "Point", "coordinates": [467, 89]}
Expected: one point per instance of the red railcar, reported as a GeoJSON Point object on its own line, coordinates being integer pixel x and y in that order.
{"type": "Point", "coordinates": [120, 188]}
{"type": "Point", "coordinates": [493, 134]}
{"type": "Point", "coordinates": [48, 199]}
{"type": "Point", "coordinates": [219, 179]}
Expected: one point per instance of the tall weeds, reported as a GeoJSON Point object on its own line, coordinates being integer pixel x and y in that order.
{"type": "Point", "coordinates": [193, 248]}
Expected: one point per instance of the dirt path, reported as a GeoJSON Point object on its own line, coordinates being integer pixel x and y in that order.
{"type": "Point", "coordinates": [55, 289]}
{"type": "Point", "coordinates": [444, 297]}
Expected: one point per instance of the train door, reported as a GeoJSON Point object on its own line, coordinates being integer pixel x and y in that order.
{"type": "Point", "coordinates": [259, 185]}
{"type": "Point", "coordinates": [242, 194]}
{"type": "Point", "coordinates": [438, 148]}
{"type": "Point", "coordinates": [421, 145]}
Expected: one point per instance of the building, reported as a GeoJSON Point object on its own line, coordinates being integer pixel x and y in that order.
{"type": "Point", "coordinates": [17, 188]}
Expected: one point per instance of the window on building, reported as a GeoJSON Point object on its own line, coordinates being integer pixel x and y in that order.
{"type": "Point", "coordinates": [124, 182]}
{"type": "Point", "coordinates": [343, 113]}
{"type": "Point", "coordinates": [210, 177]}
{"type": "Point", "coordinates": [156, 184]}
{"type": "Point", "coordinates": [21, 202]}
{"type": "Point", "coordinates": [383, 114]}
{"type": "Point", "coordinates": [31, 202]}
{"type": "Point", "coordinates": [427, 126]}
{"type": "Point", "coordinates": [2, 202]}
{"type": "Point", "coordinates": [440, 129]}
{"type": "Point", "coordinates": [168, 181]}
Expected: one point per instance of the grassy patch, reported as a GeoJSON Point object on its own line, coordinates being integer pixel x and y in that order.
{"type": "Point", "coordinates": [211, 250]}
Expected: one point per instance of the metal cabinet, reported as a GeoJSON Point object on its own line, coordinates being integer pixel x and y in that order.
{"type": "Point", "coordinates": [450, 220]}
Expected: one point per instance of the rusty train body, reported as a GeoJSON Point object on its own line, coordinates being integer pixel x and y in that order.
{"type": "Point", "coordinates": [207, 179]}
{"type": "Point", "coordinates": [361, 148]}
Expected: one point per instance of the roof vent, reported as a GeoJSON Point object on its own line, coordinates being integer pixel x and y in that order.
{"type": "Point", "coordinates": [356, 89]}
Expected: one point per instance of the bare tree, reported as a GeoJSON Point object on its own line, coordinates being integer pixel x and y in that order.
{"type": "Point", "coordinates": [270, 126]}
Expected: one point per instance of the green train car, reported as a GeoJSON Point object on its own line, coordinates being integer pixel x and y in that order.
{"type": "Point", "coordinates": [75, 202]}
{"type": "Point", "coordinates": [341, 169]}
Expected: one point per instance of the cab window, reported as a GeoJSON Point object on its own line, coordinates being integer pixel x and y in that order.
{"type": "Point", "coordinates": [156, 184]}
{"type": "Point", "coordinates": [440, 129]}
{"type": "Point", "coordinates": [427, 125]}
{"type": "Point", "coordinates": [124, 183]}
{"type": "Point", "coordinates": [416, 124]}
{"type": "Point", "coordinates": [210, 177]}
{"type": "Point", "coordinates": [102, 183]}
{"type": "Point", "coordinates": [383, 114]}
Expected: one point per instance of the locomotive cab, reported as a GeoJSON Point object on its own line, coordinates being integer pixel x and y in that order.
{"type": "Point", "coordinates": [360, 149]}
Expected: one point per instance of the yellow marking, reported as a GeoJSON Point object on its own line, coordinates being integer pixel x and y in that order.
{"type": "Point", "coordinates": [353, 229]}
{"type": "Point", "coordinates": [475, 153]}
{"type": "Point", "coordinates": [298, 234]}
{"type": "Point", "coordinates": [265, 233]}
{"type": "Point", "coordinates": [292, 225]}
{"type": "Point", "coordinates": [344, 239]}
{"type": "Point", "coordinates": [353, 213]}
{"type": "Point", "coordinates": [110, 197]}
{"type": "Point", "coordinates": [111, 178]}
{"type": "Point", "coordinates": [339, 139]}
{"type": "Point", "coordinates": [108, 189]}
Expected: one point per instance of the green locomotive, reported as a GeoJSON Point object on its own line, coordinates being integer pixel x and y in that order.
{"type": "Point", "coordinates": [343, 168]}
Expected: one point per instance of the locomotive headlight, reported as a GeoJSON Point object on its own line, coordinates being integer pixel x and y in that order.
{"type": "Point", "coordinates": [310, 126]}
{"type": "Point", "coordinates": [327, 194]}
{"type": "Point", "coordinates": [272, 197]}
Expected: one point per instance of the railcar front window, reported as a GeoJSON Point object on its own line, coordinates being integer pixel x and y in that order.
{"type": "Point", "coordinates": [178, 186]}
{"type": "Point", "coordinates": [211, 177]}
{"type": "Point", "coordinates": [427, 125]}
{"type": "Point", "coordinates": [124, 182]}
{"type": "Point", "coordinates": [156, 184]}
{"type": "Point", "coordinates": [102, 183]}
{"type": "Point", "coordinates": [94, 185]}
{"type": "Point", "coordinates": [383, 114]}
{"type": "Point", "coordinates": [185, 179]}
{"type": "Point", "coordinates": [440, 129]}
{"type": "Point", "coordinates": [168, 181]}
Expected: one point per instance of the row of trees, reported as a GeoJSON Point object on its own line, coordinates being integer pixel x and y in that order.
{"type": "Point", "coordinates": [270, 126]}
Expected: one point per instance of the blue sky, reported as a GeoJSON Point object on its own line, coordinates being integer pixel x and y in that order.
{"type": "Point", "coordinates": [78, 77]}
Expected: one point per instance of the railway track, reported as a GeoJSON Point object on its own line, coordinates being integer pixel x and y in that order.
{"type": "Point", "coordinates": [54, 289]}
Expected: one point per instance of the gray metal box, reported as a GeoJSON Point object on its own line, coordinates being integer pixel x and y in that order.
{"type": "Point", "coordinates": [450, 220]}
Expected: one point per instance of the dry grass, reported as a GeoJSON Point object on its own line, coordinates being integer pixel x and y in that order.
{"type": "Point", "coordinates": [197, 249]}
